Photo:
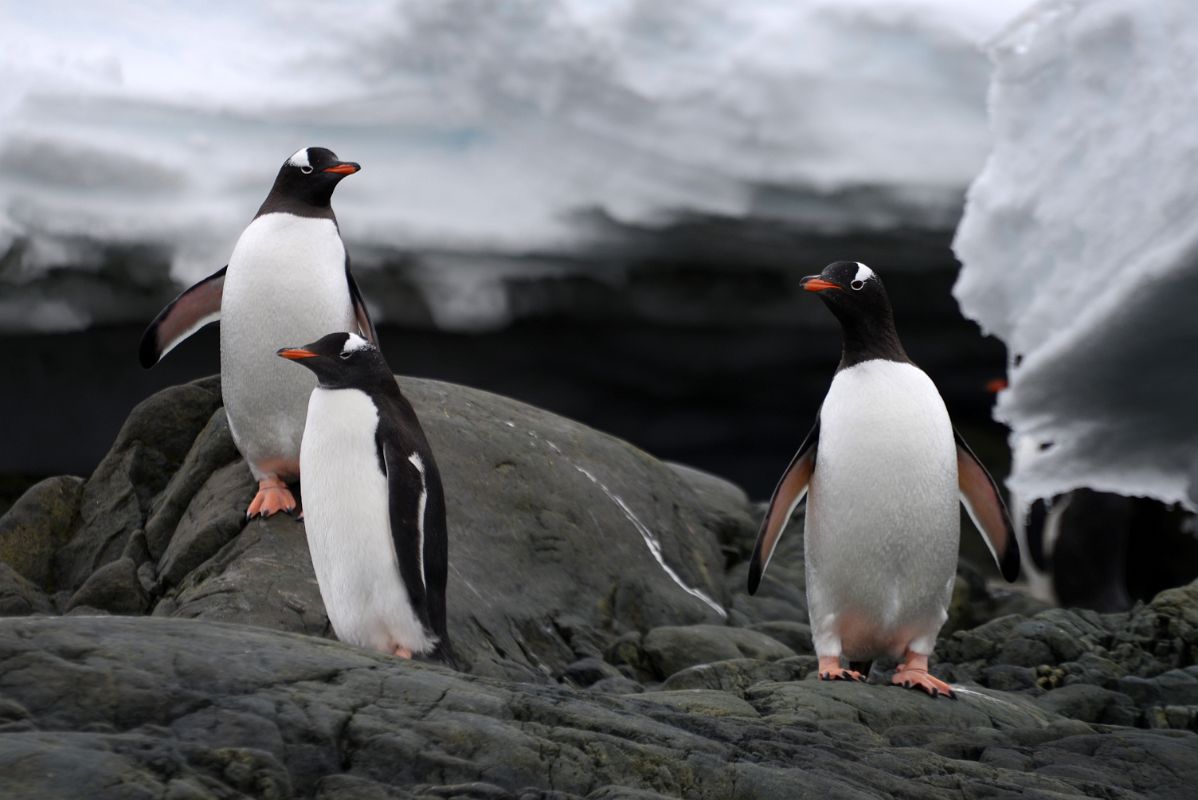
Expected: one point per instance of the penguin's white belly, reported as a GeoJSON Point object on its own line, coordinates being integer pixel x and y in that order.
{"type": "Point", "coordinates": [883, 521]}
{"type": "Point", "coordinates": [285, 287]}
{"type": "Point", "coordinates": [348, 522]}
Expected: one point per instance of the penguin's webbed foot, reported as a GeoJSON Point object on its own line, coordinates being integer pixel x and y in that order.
{"type": "Point", "coordinates": [913, 674]}
{"type": "Point", "coordinates": [273, 496]}
{"type": "Point", "coordinates": [830, 670]}
{"type": "Point", "coordinates": [403, 652]}
{"type": "Point", "coordinates": [924, 682]}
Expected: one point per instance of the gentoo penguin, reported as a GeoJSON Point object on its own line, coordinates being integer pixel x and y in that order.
{"type": "Point", "coordinates": [882, 470]}
{"type": "Point", "coordinates": [373, 504]}
{"type": "Point", "coordinates": [288, 280]}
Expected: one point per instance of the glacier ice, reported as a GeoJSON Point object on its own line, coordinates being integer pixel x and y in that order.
{"type": "Point", "coordinates": [482, 127]}
{"type": "Point", "coordinates": [1080, 246]}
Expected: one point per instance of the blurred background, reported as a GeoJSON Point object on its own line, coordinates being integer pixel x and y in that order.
{"type": "Point", "coordinates": [601, 207]}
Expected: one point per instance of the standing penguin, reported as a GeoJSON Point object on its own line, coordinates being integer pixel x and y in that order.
{"type": "Point", "coordinates": [288, 280]}
{"type": "Point", "coordinates": [374, 507]}
{"type": "Point", "coordinates": [882, 470]}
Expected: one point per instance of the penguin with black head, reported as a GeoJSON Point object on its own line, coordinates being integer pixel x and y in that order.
{"type": "Point", "coordinates": [287, 280]}
{"type": "Point", "coordinates": [373, 503]}
{"type": "Point", "coordinates": [883, 471]}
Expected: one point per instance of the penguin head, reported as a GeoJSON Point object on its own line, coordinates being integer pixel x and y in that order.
{"type": "Point", "coordinates": [849, 288]}
{"type": "Point", "coordinates": [855, 295]}
{"type": "Point", "coordinates": [341, 361]}
{"type": "Point", "coordinates": [311, 175]}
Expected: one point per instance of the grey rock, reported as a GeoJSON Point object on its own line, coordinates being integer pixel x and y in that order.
{"type": "Point", "coordinates": [39, 523]}
{"type": "Point", "coordinates": [589, 670]}
{"type": "Point", "coordinates": [738, 674]}
{"type": "Point", "coordinates": [782, 595]}
{"type": "Point", "coordinates": [702, 702]}
{"type": "Point", "coordinates": [1008, 677]}
{"type": "Point", "coordinates": [617, 685]}
{"type": "Point", "coordinates": [724, 508]}
{"type": "Point", "coordinates": [132, 707]}
{"type": "Point", "coordinates": [262, 577]}
{"type": "Point", "coordinates": [19, 596]}
{"type": "Point", "coordinates": [811, 701]}
{"type": "Point", "coordinates": [1091, 704]}
{"type": "Point", "coordinates": [212, 519]}
{"type": "Point", "coordinates": [673, 648]}
{"type": "Point", "coordinates": [1176, 687]}
{"type": "Point", "coordinates": [114, 587]}
{"type": "Point", "coordinates": [117, 498]}
{"type": "Point", "coordinates": [627, 653]}
{"type": "Point", "coordinates": [975, 600]}
{"type": "Point", "coordinates": [544, 512]}
{"type": "Point", "coordinates": [1172, 717]}
{"type": "Point", "coordinates": [795, 635]}
{"type": "Point", "coordinates": [212, 449]}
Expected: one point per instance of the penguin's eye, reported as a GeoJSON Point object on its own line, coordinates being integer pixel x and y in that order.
{"type": "Point", "coordinates": [306, 170]}
{"type": "Point", "coordinates": [857, 285]}
{"type": "Point", "coordinates": [345, 356]}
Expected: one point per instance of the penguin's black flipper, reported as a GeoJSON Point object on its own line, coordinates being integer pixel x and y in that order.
{"type": "Point", "coordinates": [980, 495]}
{"type": "Point", "coordinates": [436, 561]}
{"type": "Point", "coordinates": [787, 495]}
{"type": "Point", "coordinates": [183, 316]}
{"type": "Point", "coordinates": [407, 498]}
{"type": "Point", "coordinates": [417, 513]}
{"type": "Point", "coordinates": [365, 325]}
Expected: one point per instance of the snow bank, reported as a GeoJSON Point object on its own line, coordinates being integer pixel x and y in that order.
{"type": "Point", "coordinates": [1080, 245]}
{"type": "Point", "coordinates": [482, 127]}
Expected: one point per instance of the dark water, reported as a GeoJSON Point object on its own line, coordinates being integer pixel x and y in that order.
{"type": "Point", "coordinates": [723, 371]}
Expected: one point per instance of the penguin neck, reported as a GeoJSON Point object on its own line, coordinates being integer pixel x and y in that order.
{"type": "Point", "coordinates": [867, 338]}
{"type": "Point", "coordinates": [380, 384]}
{"type": "Point", "coordinates": [281, 202]}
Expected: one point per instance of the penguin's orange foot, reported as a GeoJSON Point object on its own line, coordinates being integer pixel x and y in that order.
{"type": "Point", "coordinates": [403, 652]}
{"type": "Point", "coordinates": [922, 680]}
{"type": "Point", "coordinates": [830, 670]}
{"type": "Point", "coordinates": [273, 496]}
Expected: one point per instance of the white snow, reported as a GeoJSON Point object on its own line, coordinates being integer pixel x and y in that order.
{"type": "Point", "coordinates": [482, 127]}
{"type": "Point", "coordinates": [1080, 245]}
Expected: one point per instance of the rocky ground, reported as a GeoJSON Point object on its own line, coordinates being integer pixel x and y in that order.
{"type": "Point", "coordinates": [158, 646]}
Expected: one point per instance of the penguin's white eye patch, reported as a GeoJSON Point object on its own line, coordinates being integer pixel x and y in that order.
{"type": "Point", "coordinates": [353, 343]}
{"type": "Point", "coordinates": [300, 159]}
{"type": "Point", "coordinates": [857, 285]}
{"type": "Point", "coordinates": [306, 170]}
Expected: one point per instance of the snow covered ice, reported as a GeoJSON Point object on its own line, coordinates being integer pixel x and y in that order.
{"type": "Point", "coordinates": [1080, 245]}
{"type": "Point", "coordinates": [141, 135]}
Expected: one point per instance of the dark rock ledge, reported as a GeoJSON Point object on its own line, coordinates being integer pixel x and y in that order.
{"type": "Point", "coordinates": [158, 646]}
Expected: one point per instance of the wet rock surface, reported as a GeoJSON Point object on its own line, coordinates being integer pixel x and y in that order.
{"type": "Point", "coordinates": [158, 645]}
{"type": "Point", "coordinates": [186, 708]}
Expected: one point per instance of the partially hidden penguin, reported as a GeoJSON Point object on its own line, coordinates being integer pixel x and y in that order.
{"type": "Point", "coordinates": [883, 471]}
{"type": "Point", "coordinates": [287, 280]}
{"type": "Point", "coordinates": [373, 503]}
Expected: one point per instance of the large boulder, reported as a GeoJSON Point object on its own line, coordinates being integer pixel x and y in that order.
{"type": "Point", "coordinates": [561, 538]}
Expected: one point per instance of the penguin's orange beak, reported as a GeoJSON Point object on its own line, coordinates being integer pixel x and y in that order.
{"type": "Point", "coordinates": [344, 168]}
{"type": "Point", "coordinates": [296, 353]}
{"type": "Point", "coordinates": [814, 283]}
